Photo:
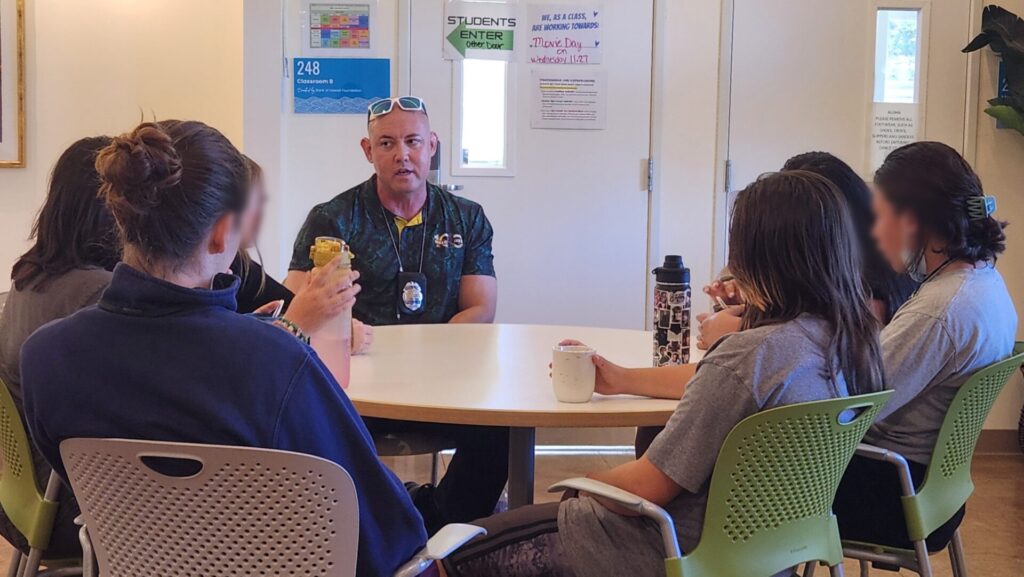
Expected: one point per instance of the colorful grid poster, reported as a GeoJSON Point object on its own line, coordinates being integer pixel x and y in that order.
{"type": "Point", "coordinates": [340, 26]}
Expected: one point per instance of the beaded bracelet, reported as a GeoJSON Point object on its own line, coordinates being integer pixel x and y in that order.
{"type": "Point", "coordinates": [292, 328]}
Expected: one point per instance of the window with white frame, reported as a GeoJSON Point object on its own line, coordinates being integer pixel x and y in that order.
{"type": "Point", "coordinates": [482, 143]}
{"type": "Point", "coordinates": [897, 56]}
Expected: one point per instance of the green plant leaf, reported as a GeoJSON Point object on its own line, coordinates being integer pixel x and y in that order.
{"type": "Point", "coordinates": [1007, 116]}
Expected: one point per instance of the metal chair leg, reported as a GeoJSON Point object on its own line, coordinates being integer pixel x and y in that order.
{"type": "Point", "coordinates": [956, 555]}
{"type": "Point", "coordinates": [865, 568]}
{"type": "Point", "coordinates": [434, 461]}
{"type": "Point", "coordinates": [22, 565]}
{"type": "Point", "coordinates": [89, 568]}
{"type": "Point", "coordinates": [836, 571]}
{"type": "Point", "coordinates": [35, 559]}
{"type": "Point", "coordinates": [924, 566]}
{"type": "Point", "coordinates": [809, 569]}
{"type": "Point", "coordinates": [15, 568]}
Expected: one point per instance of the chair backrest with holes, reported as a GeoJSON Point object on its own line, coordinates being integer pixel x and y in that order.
{"type": "Point", "coordinates": [20, 497]}
{"type": "Point", "coordinates": [770, 501]}
{"type": "Point", "coordinates": [239, 511]}
{"type": "Point", "coordinates": [947, 483]}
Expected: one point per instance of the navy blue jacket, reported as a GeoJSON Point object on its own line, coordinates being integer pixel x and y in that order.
{"type": "Point", "coordinates": [158, 361]}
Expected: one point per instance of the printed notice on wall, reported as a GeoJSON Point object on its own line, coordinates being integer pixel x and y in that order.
{"type": "Point", "coordinates": [482, 30]}
{"type": "Point", "coordinates": [565, 34]}
{"type": "Point", "coordinates": [569, 99]}
{"type": "Point", "coordinates": [892, 126]}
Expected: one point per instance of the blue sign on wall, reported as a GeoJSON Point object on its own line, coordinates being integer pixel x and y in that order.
{"type": "Point", "coordinates": [339, 85]}
{"type": "Point", "coordinates": [1002, 87]}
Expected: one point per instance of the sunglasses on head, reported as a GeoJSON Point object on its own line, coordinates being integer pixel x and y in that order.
{"type": "Point", "coordinates": [387, 105]}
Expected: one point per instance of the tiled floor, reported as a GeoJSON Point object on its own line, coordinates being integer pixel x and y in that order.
{"type": "Point", "coordinates": [993, 530]}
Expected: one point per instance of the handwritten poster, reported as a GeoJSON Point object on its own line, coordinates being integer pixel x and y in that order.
{"type": "Point", "coordinates": [340, 85]}
{"type": "Point", "coordinates": [565, 34]}
{"type": "Point", "coordinates": [569, 99]}
{"type": "Point", "coordinates": [483, 30]}
{"type": "Point", "coordinates": [892, 126]}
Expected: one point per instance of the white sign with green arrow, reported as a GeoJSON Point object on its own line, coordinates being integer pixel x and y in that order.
{"type": "Point", "coordinates": [485, 30]}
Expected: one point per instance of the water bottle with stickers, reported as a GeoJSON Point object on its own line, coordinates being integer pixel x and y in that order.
{"type": "Point", "coordinates": [671, 312]}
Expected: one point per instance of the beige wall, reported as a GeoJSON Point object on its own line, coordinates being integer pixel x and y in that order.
{"type": "Point", "coordinates": [999, 160]}
{"type": "Point", "coordinates": [97, 67]}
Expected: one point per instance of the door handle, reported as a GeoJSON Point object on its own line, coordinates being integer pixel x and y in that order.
{"type": "Point", "coordinates": [451, 187]}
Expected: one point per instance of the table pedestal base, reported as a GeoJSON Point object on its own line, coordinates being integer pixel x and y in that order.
{"type": "Point", "coordinates": [521, 447]}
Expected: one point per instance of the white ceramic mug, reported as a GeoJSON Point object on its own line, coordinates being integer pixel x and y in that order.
{"type": "Point", "coordinates": [573, 373]}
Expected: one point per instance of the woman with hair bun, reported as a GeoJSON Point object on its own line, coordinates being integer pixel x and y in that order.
{"type": "Point", "coordinates": [165, 356]}
{"type": "Point", "coordinates": [934, 222]}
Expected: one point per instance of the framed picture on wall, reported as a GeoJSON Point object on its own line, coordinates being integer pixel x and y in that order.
{"type": "Point", "coordinates": [12, 83]}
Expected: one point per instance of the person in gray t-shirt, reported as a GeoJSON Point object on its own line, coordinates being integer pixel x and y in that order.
{"type": "Point", "coordinates": [808, 335]}
{"type": "Point", "coordinates": [66, 269]}
{"type": "Point", "coordinates": [934, 222]}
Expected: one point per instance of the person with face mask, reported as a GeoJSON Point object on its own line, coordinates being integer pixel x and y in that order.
{"type": "Point", "coordinates": [424, 256]}
{"type": "Point", "coordinates": [934, 222]}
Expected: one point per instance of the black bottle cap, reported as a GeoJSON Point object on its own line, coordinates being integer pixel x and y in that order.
{"type": "Point", "coordinates": [673, 271]}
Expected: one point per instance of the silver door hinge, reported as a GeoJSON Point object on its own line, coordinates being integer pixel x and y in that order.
{"type": "Point", "coordinates": [650, 176]}
{"type": "Point", "coordinates": [728, 176]}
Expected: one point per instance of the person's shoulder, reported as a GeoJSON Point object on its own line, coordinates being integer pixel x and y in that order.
{"type": "Point", "coordinates": [340, 203]}
{"type": "Point", "coordinates": [963, 295]}
{"type": "Point", "coordinates": [460, 203]}
{"type": "Point", "coordinates": [92, 275]}
{"type": "Point", "coordinates": [773, 347]}
{"type": "Point", "coordinates": [86, 281]}
{"type": "Point", "coordinates": [49, 339]}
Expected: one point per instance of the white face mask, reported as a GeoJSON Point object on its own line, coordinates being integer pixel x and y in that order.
{"type": "Point", "coordinates": [914, 262]}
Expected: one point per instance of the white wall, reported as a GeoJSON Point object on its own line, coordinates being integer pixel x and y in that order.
{"type": "Point", "coordinates": [295, 149]}
{"type": "Point", "coordinates": [686, 99]}
{"type": "Point", "coordinates": [999, 161]}
{"type": "Point", "coordinates": [97, 67]}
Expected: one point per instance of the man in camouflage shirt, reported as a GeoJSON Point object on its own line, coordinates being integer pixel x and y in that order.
{"type": "Point", "coordinates": [424, 256]}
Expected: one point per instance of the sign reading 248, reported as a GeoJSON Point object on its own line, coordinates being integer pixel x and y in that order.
{"type": "Point", "coordinates": [308, 68]}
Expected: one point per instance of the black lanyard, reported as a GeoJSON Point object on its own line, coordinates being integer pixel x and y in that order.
{"type": "Point", "coordinates": [411, 286]}
{"type": "Point", "coordinates": [394, 243]}
{"type": "Point", "coordinates": [931, 275]}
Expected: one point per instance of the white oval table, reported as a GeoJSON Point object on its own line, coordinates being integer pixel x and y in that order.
{"type": "Point", "coordinates": [495, 375]}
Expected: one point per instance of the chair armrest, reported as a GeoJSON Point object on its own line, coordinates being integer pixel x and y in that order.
{"type": "Point", "coordinates": [441, 545]}
{"type": "Point", "coordinates": [631, 502]}
{"type": "Point", "coordinates": [893, 458]}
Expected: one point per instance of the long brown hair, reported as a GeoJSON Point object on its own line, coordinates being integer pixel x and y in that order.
{"type": "Point", "coordinates": [793, 250]}
{"type": "Point", "coordinates": [74, 229]}
{"type": "Point", "coordinates": [885, 285]}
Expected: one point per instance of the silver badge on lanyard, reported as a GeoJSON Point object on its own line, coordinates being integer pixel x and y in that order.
{"type": "Point", "coordinates": [412, 296]}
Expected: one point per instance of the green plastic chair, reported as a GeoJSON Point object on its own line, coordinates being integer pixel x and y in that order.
{"type": "Point", "coordinates": [770, 502]}
{"type": "Point", "coordinates": [947, 482]}
{"type": "Point", "coordinates": [30, 511]}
